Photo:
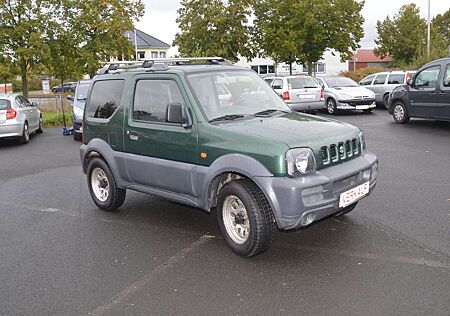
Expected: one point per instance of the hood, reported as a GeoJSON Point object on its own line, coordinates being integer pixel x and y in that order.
{"type": "Point", "coordinates": [353, 91]}
{"type": "Point", "coordinates": [295, 130]}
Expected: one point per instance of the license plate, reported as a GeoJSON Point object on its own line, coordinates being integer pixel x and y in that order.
{"type": "Point", "coordinates": [305, 96]}
{"type": "Point", "coordinates": [348, 197]}
{"type": "Point", "coordinates": [2, 116]}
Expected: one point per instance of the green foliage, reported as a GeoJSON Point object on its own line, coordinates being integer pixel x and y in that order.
{"type": "Point", "coordinates": [403, 37]}
{"type": "Point", "coordinates": [293, 30]}
{"type": "Point", "coordinates": [363, 72]}
{"type": "Point", "coordinates": [214, 28]}
{"type": "Point", "coordinates": [8, 69]}
{"type": "Point", "coordinates": [55, 119]}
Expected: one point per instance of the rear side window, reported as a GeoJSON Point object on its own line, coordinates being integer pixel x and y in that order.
{"type": "Point", "coordinates": [396, 79]}
{"type": "Point", "coordinates": [105, 98]}
{"type": "Point", "coordinates": [447, 76]}
{"type": "Point", "coordinates": [5, 104]}
{"type": "Point", "coordinates": [152, 97]}
{"type": "Point", "coordinates": [277, 84]}
{"type": "Point", "coordinates": [302, 83]}
{"type": "Point", "coordinates": [367, 81]}
{"type": "Point", "coordinates": [380, 79]}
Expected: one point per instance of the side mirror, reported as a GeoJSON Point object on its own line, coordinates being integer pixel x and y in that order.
{"type": "Point", "coordinates": [174, 114]}
{"type": "Point", "coordinates": [70, 98]}
{"type": "Point", "coordinates": [34, 103]}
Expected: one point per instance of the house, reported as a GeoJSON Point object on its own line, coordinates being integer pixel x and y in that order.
{"type": "Point", "coordinates": [329, 65]}
{"type": "Point", "coordinates": [366, 58]}
{"type": "Point", "coordinates": [147, 46]}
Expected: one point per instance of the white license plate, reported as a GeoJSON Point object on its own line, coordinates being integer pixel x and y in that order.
{"type": "Point", "coordinates": [305, 96]}
{"type": "Point", "coordinates": [348, 197]}
{"type": "Point", "coordinates": [2, 116]}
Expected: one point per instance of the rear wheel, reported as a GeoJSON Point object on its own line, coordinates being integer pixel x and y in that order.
{"type": "Point", "coordinates": [400, 115]}
{"type": "Point", "coordinates": [25, 138]}
{"type": "Point", "coordinates": [102, 186]}
{"type": "Point", "coordinates": [331, 106]}
{"type": "Point", "coordinates": [386, 101]}
{"type": "Point", "coordinates": [245, 218]}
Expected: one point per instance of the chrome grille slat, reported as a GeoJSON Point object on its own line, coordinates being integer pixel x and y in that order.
{"type": "Point", "coordinates": [339, 152]}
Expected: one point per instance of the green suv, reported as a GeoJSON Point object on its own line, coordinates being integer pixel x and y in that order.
{"type": "Point", "coordinates": [215, 136]}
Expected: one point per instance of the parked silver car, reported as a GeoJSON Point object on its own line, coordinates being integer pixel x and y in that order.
{"type": "Point", "coordinates": [342, 93]}
{"type": "Point", "coordinates": [19, 117]}
{"type": "Point", "coordinates": [301, 93]}
{"type": "Point", "coordinates": [78, 101]}
{"type": "Point", "coordinates": [382, 83]}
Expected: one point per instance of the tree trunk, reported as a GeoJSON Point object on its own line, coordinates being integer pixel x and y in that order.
{"type": "Point", "coordinates": [290, 68]}
{"type": "Point", "coordinates": [23, 70]}
{"type": "Point", "coordinates": [310, 64]}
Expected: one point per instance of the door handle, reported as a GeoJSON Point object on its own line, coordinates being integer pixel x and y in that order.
{"type": "Point", "coordinates": [134, 135]}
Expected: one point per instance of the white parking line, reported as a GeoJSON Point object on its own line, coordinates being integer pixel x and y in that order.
{"type": "Point", "coordinates": [139, 284]}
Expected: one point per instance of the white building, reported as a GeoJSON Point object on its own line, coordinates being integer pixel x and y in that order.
{"type": "Point", "coordinates": [328, 66]}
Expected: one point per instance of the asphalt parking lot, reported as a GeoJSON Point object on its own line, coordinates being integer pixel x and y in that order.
{"type": "Point", "coordinates": [60, 255]}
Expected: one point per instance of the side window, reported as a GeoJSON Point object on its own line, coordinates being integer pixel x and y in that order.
{"type": "Point", "coordinates": [427, 78]}
{"type": "Point", "coordinates": [277, 84]}
{"type": "Point", "coordinates": [367, 81]}
{"type": "Point", "coordinates": [396, 79]}
{"type": "Point", "coordinates": [320, 83]}
{"type": "Point", "coordinates": [447, 76]}
{"type": "Point", "coordinates": [152, 97]}
{"type": "Point", "coordinates": [380, 79]}
{"type": "Point", "coordinates": [105, 98]}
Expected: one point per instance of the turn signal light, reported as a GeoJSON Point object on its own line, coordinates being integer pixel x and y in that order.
{"type": "Point", "coordinates": [322, 97]}
{"type": "Point", "coordinates": [11, 114]}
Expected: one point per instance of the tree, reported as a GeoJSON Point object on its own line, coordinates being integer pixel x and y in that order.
{"type": "Point", "coordinates": [214, 28]}
{"type": "Point", "coordinates": [294, 30]}
{"type": "Point", "coordinates": [8, 70]}
{"type": "Point", "coordinates": [403, 37]}
{"type": "Point", "coordinates": [22, 24]}
{"type": "Point", "coordinates": [440, 31]}
{"type": "Point", "coordinates": [99, 28]}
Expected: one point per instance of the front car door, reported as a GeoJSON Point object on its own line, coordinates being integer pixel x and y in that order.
{"type": "Point", "coordinates": [32, 115]}
{"type": "Point", "coordinates": [378, 86]}
{"type": "Point", "coordinates": [164, 155]}
{"type": "Point", "coordinates": [423, 92]}
{"type": "Point", "coordinates": [444, 93]}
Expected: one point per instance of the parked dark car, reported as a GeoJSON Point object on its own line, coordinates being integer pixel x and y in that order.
{"type": "Point", "coordinates": [427, 95]}
{"type": "Point", "coordinates": [68, 87]}
{"type": "Point", "coordinates": [78, 101]}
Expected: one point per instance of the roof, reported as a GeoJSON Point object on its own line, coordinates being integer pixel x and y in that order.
{"type": "Point", "coordinates": [368, 56]}
{"type": "Point", "coordinates": [145, 40]}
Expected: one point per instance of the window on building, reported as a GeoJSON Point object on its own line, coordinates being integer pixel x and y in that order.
{"type": "Point", "coordinates": [141, 54]}
{"type": "Point", "coordinates": [271, 69]}
{"type": "Point", "coordinates": [254, 68]}
{"type": "Point", "coordinates": [162, 55]}
{"type": "Point", "coordinates": [317, 68]}
{"type": "Point", "coordinates": [105, 98]}
{"type": "Point", "coordinates": [154, 54]}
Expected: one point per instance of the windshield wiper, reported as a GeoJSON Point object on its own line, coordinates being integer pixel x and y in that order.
{"type": "Point", "coordinates": [228, 117]}
{"type": "Point", "coordinates": [269, 111]}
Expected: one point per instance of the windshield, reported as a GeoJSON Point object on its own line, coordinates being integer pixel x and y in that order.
{"type": "Point", "coordinates": [340, 82]}
{"type": "Point", "coordinates": [4, 104]}
{"type": "Point", "coordinates": [234, 93]}
{"type": "Point", "coordinates": [302, 83]}
{"type": "Point", "coordinates": [82, 91]}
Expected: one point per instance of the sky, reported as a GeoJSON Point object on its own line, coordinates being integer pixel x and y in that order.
{"type": "Point", "coordinates": [160, 17]}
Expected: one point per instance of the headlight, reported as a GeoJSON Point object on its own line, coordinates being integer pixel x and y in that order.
{"type": "Point", "coordinates": [344, 96]}
{"type": "Point", "coordinates": [362, 140]}
{"type": "Point", "coordinates": [300, 161]}
{"type": "Point", "coordinates": [77, 111]}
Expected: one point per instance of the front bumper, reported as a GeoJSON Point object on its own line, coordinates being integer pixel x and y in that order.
{"type": "Point", "coordinates": [356, 104]}
{"type": "Point", "coordinates": [292, 199]}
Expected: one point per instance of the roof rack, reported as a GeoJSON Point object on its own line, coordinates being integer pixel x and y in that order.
{"type": "Point", "coordinates": [159, 63]}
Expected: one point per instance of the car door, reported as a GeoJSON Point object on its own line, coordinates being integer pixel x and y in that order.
{"type": "Point", "coordinates": [444, 93]}
{"type": "Point", "coordinates": [378, 86]}
{"type": "Point", "coordinates": [164, 155]}
{"type": "Point", "coordinates": [25, 110]}
{"type": "Point", "coordinates": [32, 114]}
{"type": "Point", "coordinates": [423, 92]}
{"type": "Point", "coordinates": [277, 86]}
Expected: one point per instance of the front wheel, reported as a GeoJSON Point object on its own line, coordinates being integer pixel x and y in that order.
{"type": "Point", "coordinates": [245, 218]}
{"type": "Point", "coordinates": [102, 186]}
{"type": "Point", "coordinates": [40, 129]}
{"type": "Point", "coordinates": [400, 115]}
{"type": "Point", "coordinates": [331, 106]}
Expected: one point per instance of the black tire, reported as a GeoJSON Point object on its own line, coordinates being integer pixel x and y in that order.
{"type": "Point", "coordinates": [400, 113]}
{"type": "Point", "coordinates": [77, 136]}
{"type": "Point", "coordinates": [346, 210]}
{"type": "Point", "coordinates": [115, 197]}
{"type": "Point", "coordinates": [40, 129]}
{"type": "Point", "coordinates": [25, 138]}
{"type": "Point", "coordinates": [386, 101]}
{"type": "Point", "coordinates": [259, 215]}
{"type": "Point", "coordinates": [331, 106]}
{"type": "Point", "coordinates": [54, 90]}
{"type": "Point", "coordinates": [367, 110]}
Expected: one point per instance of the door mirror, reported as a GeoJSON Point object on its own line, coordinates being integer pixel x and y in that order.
{"type": "Point", "coordinates": [70, 98]}
{"type": "Point", "coordinates": [33, 103]}
{"type": "Point", "coordinates": [174, 114]}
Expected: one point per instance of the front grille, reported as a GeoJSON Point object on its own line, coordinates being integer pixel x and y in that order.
{"type": "Point", "coordinates": [335, 153]}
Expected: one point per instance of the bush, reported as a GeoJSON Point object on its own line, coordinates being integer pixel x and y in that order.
{"type": "Point", "coordinates": [55, 119]}
{"type": "Point", "coordinates": [362, 72]}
